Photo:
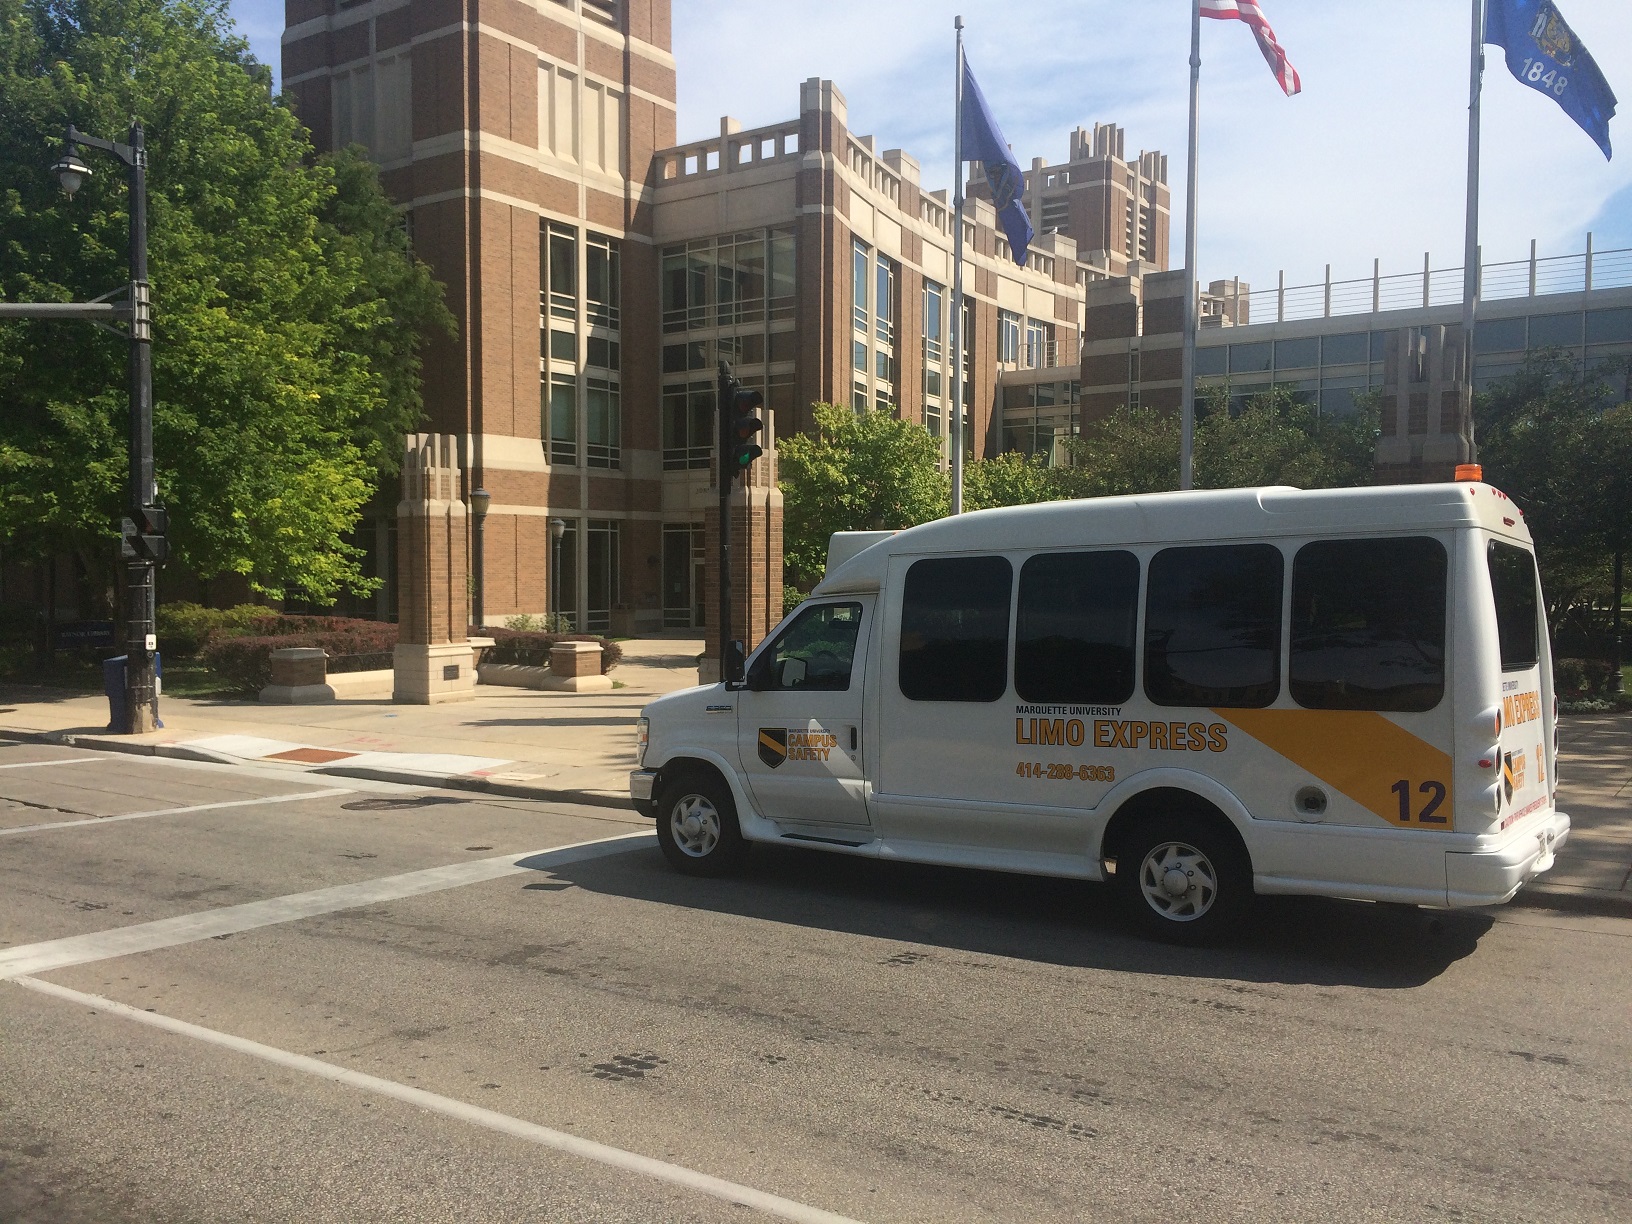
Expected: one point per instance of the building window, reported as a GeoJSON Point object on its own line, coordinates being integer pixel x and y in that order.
{"type": "Point", "coordinates": [934, 306]}
{"type": "Point", "coordinates": [1038, 343]}
{"type": "Point", "coordinates": [602, 423]}
{"type": "Point", "coordinates": [688, 426]}
{"type": "Point", "coordinates": [884, 302]}
{"type": "Point", "coordinates": [1008, 337]}
{"type": "Point", "coordinates": [601, 279]}
{"type": "Point", "coordinates": [684, 557]}
{"type": "Point", "coordinates": [1213, 626]}
{"type": "Point", "coordinates": [559, 275]}
{"type": "Point", "coordinates": [1368, 624]}
{"type": "Point", "coordinates": [561, 418]}
{"type": "Point", "coordinates": [604, 11]}
{"type": "Point", "coordinates": [746, 277]}
{"type": "Point", "coordinates": [859, 268]}
{"type": "Point", "coordinates": [602, 592]}
{"type": "Point", "coordinates": [858, 397]}
{"type": "Point", "coordinates": [955, 629]}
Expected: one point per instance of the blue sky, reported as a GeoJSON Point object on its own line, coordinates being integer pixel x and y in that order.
{"type": "Point", "coordinates": [1369, 161]}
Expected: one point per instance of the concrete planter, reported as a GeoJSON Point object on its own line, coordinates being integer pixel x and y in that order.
{"type": "Point", "coordinates": [298, 677]}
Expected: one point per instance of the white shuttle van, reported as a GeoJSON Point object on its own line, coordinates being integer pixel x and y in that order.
{"type": "Point", "coordinates": [1198, 696]}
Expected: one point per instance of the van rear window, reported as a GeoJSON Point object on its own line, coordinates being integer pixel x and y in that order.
{"type": "Point", "coordinates": [955, 629]}
{"type": "Point", "coordinates": [1368, 624]}
{"type": "Point", "coordinates": [1518, 618]}
{"type": "Point", "coordinates": [1213, 626]}
{"type": "Point", "coordinates": [1076, 627]}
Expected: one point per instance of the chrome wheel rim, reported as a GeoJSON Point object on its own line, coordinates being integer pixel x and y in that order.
{"type": "Point", "coordinates": [695, 824]}
{"type": "Point", "coordinates": [1178, 881]}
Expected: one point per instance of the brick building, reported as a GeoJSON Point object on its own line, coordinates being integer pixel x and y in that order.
{"type": "Point", "coordinates": [531, 144]}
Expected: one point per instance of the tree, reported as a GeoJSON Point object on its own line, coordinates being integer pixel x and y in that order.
{"type": "Point", "coordinates": [287, 306]}
{"type": "Point", "coordinates": [1279, 438]}
{"type": "Point", "coordinates": [862, 471]}
{"type": "Point", "coordinates": [1558, 441]}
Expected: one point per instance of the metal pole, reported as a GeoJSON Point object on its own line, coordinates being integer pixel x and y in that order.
{"type": "Point", "coordinates": [958, 338]}
{"type": "Point", "coordinates": [723, 480]}
{"type": "Point", "coordinates": [1470, 248]}
{"type": "Point", "coordinates": [1187, 407]}
{"type": "Point", "coordinates": [141, 697]}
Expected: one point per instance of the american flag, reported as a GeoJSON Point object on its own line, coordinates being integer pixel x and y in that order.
{"type": "Point", "coordinates": [1250, 12]}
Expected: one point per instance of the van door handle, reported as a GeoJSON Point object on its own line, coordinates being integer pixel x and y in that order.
{"type": "Point", "coordinates": [852, 739]}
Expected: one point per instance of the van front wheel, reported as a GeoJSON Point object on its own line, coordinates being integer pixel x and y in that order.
{"type": "Point", "coordinates": [1184, 880]}
{"type": "Point", "coordinates": [697, 826]}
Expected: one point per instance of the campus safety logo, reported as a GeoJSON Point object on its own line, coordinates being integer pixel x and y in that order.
{"type": "Point", "coordinates": [773, 745]}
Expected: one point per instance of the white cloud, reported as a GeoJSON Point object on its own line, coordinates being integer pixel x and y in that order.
{"type": "Point", "coordinates": [1369, 161]}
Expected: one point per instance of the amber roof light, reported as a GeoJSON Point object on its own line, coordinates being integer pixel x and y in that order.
{"type": "Point", "coordinates": [1469, 471]}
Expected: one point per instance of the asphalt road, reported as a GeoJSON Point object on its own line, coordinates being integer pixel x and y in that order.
{"type": "Point", "coordinates": [313, 999]}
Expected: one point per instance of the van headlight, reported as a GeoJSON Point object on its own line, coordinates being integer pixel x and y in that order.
{"type": "Point", "coordinates": [643, 736]}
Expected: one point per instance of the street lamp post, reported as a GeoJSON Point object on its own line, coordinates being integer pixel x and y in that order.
{"type": "Point", "coordinates": [558, 528]}
{"type": "Point", "coordinates": [145, 544]}
{"type": "Point", "coordinates": [479, 502]}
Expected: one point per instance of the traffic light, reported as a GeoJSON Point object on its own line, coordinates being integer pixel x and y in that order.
{"type": "Point", "coordinates": [148, 541]}
{"type": "Point", "coordinates": [739, 422]}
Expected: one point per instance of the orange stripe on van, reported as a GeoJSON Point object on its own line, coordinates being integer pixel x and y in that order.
{"type": "Point", "coordinates": [1363, 755]}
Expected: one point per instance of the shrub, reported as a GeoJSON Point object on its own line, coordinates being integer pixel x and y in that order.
{"type": "Point", "coordinates": [792, 597]}
{"type": "Point", "coordinates": [184, 628]}
{"type": "Point", "coordinates": [1581, 679]}
{"type": "Point", "coordinates": [532, 649]}
{"type": "Point", "coordinates": [528, 623]}
{"type": "Point", "coordinates": [244, 663]}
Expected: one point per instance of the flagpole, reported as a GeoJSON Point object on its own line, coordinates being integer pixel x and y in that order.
{"type": "Point", "coordinates": [958, 339]}
{"type": "Point", "coordinates": [1470, 252]}
{"type": "Point", "coordinates": [1187, 407]}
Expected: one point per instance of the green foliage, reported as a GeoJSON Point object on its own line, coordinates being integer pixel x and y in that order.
{"type": "Point", "coordinates": [526, 622]}
{"type": "Point", "coordinates": [528, 648]}
{"type": "Point", "coordinates": [863, 471]}
{"type": "Point", "coordinates": [286, 304]}
{"type": "Point", "coordinates": [1279, 439]}
{"type": "Point", "coordinates": [184, 628]}
{"type": "Point", "coordinates": [792, 597]}
{"type": "Point", "coordinates": [1010, 479]}
{"type": "Point", "coordinates": [1558, 441]}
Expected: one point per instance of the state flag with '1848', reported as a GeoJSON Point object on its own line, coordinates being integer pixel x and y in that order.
{"type": "Point", "coordinates": [1544, 53]}
{"type": "Point", "coordinates": [983, 142]}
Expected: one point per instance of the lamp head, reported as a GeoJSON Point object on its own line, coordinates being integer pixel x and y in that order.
{"type": "Point", "coordinates": [480, 499]}
{"type": "Point", "coordinates": [70, 170]}
{"type": "Point", "coordinates": [558, 528]}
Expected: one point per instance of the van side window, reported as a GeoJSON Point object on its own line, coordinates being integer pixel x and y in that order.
{"type": "Point", "coordinates": [1076, 627]}
{"type": "Point", "coordinates": [813, 654]}
{"type": "Point", "coordinates": [1213, 626]}
{"type": "Point", "coordinates": [1368, 624]}
{"type": "Point", "coordinates": [1513, 583]}
{"type": "Point", "coordinates": [955, 629]}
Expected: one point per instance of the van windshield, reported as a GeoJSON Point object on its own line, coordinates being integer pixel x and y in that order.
{"type": "Point", "coordinates": [1518, 620]}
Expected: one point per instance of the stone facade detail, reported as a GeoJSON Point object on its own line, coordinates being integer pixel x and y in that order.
{"type": "Point", "coordinates": [433, 659]}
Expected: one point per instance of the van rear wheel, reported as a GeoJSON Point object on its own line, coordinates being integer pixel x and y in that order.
{"type": "Point", "coordinates": [697, 826]}
{"type": "Point", "coordinates": [1184, 880]}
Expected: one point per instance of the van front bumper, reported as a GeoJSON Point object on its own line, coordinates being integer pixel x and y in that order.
{"type": "Point", "coordinates": [641, 784]}
{"type": "Point", "coordinates": [1490, 877]}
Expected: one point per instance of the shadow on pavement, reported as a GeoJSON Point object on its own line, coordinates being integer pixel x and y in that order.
{"type": "Point", "coordinates": [1291, 940]}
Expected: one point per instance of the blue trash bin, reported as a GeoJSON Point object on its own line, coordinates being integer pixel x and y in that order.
{"type": "Point", "coordinates": [113, 684]}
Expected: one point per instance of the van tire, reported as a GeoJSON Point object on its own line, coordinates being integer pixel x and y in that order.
{"type": "Point", "coordinates": [1165, 854]}
{"type": "Point", "coordinates": [697, 825]}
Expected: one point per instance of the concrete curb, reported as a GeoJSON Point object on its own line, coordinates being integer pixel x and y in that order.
{"type": "Point", "coordinates": [403, 777]}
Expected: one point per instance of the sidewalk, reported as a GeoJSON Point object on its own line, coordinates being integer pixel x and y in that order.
{"type": "Point", "coordinates": [572, 747]}
{"type": "Point", "coordinates": [579, 748]}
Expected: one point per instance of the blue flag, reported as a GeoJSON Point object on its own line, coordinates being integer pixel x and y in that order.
{"type": "Point", "coordinates": [983, 142]}
{"type": "Point", "coordinates": [1544, 53]}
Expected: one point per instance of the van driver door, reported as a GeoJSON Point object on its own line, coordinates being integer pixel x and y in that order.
{"type": "Point", "coordinates": [799, 719]}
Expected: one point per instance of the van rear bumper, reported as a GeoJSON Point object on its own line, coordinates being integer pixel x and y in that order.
{"type": "Point", "coordinates": [1490, 877]}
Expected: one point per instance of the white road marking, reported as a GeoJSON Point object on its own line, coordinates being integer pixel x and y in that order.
{"type": "Point", "coordinates": [233, 919]}
{"type": "Point", "coordinates": [560, 1141]}
{"type": "Point", "coordinates": [65, 761]}
{"type": "Point", "coordinates": [177, 811]}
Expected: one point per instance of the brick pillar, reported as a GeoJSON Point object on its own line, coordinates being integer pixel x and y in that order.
{"type": "Point", "coordinates": [433, 661]}
{"type": "Point", "coordinates": [756, 559]}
